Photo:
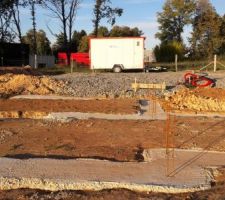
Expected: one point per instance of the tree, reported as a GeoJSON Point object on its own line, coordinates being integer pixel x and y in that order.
{"type": "Point", "coordinates": [65, 11]}
{"type": "Point", "coordinates": [59, 44]}
{"type": "Point", "coordinates": [175, 15]}
{"type": "Point", "coordinates": [165, 52]}
{"type": "Point", "coordinates": [102, 32]}
{"type": "Point", "coordinates": [5, 21]}
{"type": "Point", "coordinates": [102, 10]}
{"type": "Point", "coordinates": [12, 8]}
{"type": "Point", "coordinates": [34, 36]}
{"type": "Point", "coordinates": [76, 39]}
{"type": "Point", "coordinates": [206, 37]}
{"type": "Point", "coordinates": [15, 9]}
{"type": "Point", "coordinates": [43, 43]}
{"type": "Point", "coordinates": [125, 31]}
{"type": "Point", "coordinates": [83, 46]}
{"type": "Point", "coordinates": [222, 34]}
{"type": "Point", "coordinates": [74, 45]}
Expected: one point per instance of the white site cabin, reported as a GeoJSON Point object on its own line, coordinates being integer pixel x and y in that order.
{"type": "Point", "coordinates": [117, 54]}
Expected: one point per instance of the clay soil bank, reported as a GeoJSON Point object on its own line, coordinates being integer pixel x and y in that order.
{"type": "Point", "coordinates": [118, 106]}
{"type": "Point", "coordinates": [113, 140]}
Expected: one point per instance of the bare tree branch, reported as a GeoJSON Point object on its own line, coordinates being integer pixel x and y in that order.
{"type": "Point", "coordinates": [50, 30]}
{"type": "Point", "coordinates": [65, 11]}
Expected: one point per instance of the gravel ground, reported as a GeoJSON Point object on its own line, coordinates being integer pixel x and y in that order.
{"type": "Point", "coordinates": [115, 85]}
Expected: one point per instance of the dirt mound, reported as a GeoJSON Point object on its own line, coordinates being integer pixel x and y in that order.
{"type": "Point", "coordinates": [11, 84]}
{"type": "Point", "coordinates": [197, 100]}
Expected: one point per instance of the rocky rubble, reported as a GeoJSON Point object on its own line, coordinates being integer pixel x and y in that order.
{"type": "Point", "coordinates": [4, 134]}
{"type": "Point", "coordinates": [198, 100]}
{"type": "Point", "coordinates": [119, 85]}
{"type": "Point", "coordinates": [111, 85]}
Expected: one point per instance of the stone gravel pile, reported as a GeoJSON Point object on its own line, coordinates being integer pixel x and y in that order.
{"type": "Point", "coordinates": [119, 85]}
{"type": "Point", "coordinates": [112, 85]}
{"type": "Point", "coordinates": [101, 85]}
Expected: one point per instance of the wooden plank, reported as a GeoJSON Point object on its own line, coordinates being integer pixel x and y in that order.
{"type": "Point", "coordinates": [136, 86]}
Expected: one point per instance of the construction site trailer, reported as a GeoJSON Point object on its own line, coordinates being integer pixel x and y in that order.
{"type": "Point", "coordinates": [117, 54]}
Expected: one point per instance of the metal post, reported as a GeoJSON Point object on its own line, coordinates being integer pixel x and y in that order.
{"type": "Point", "coordinates": [176, 59]}
{"type": "Point", "coordinates": [215, 62]}
{"type": "Point", "coordinates": [135, 81]}
{"type": "Point", "coordinates": [35, 62]}
{"type": "Point", "coordinates": [169, 134]}
{"type": "Point", "coordinates": [2, 59]}
{"type": "Point", "coordinates": [71, 66]}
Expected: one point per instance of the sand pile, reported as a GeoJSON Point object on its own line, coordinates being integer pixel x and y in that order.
{"type": "Point", "coordinates": [197, 100]}
{"type": "Point", "coordinates": [11, 84]}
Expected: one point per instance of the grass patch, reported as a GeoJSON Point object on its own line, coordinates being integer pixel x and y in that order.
{"type": "Point", "coordinates": [182, 66]}
{"type": "Point", "coordinates": [189, 65]}
{"type": "Point", "coordinates": [56, 70]}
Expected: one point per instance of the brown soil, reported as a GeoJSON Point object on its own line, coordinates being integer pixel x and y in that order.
{"type": "Point", "coordinates": [197, 100]}
{"type": "Point", "coordinates": [27, 70]}
{"type": "Point", "coordinates": [11, 84]}
{"type": "Point", "coordinates": [125, 106]}
{"type": "Point", "coordinates": [114, 140]}
{"type": "Point", "coordinates": [220, 176]}
{"type": "Point", "coordinates": [214, 93]}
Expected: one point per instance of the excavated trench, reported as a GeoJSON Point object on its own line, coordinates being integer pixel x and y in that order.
{"type": "Point", "coordinates": [67, 109]}
{"type": "Point", "coordinates": [42, 108]}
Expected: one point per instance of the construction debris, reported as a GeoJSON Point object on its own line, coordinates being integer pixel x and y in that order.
{"type": "Point", "coordinates": [197, 100]}
{"type": "Point", "coordinates": [11, 84]}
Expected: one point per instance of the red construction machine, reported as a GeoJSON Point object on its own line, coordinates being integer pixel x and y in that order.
{"type": "Point", "coordinates": [198, 80]}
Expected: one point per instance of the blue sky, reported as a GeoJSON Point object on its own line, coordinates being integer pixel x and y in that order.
{"type": "Point", "coordinates": [137, 13]}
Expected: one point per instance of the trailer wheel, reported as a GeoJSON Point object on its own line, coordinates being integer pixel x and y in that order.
{"type": "Point", "coordinates": [117, 69]}
{"type": "Point", "coordinates": [146, 70]}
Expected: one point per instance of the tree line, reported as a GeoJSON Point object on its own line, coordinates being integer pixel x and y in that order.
{"type": "Point", "coordinates": [207, 34]}
{"type": "Point", "coordinates": [64, 11]}
{"type": "Point", "coordinates": [207, 27]}
{"type": "Point", "coordinates": [80, 39]}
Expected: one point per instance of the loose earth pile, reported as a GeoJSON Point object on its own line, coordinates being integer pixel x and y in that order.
{"type": "Point", "coordinates": [197, 100]}
{"type": "Point", "coordinates": [11, 84]}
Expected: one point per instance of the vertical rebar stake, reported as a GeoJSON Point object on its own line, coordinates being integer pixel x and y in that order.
{"type": "Point", "coordinates": [153, 101]}
{"type": "Point", "coordinates": [169, 137]}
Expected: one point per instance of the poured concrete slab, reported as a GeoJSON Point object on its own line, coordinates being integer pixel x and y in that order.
{"type": "Point", "coordinates": [81, 174]}
{"type": "Point", "coordinates": [77, 115]}
{"type": "Point", "coordinates": [210, 115]}
{"type": "Point", "coordinates": [144, 114]}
